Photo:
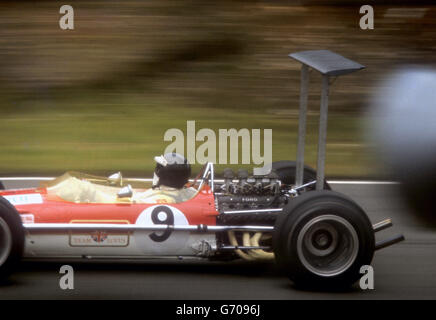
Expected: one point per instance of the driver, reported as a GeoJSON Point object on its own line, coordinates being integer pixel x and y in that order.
{"type": "Point", "coordinates": [170, 177]}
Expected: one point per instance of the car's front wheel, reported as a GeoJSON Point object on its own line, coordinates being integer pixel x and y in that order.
{"type": "Point", "coordinates": [11, 238]}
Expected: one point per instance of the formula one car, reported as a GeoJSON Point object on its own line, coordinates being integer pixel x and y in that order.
{"type": "Point", "coordinates": [289, 215]}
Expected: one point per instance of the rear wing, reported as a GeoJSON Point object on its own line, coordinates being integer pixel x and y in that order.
{"type": "Point", "coordinates": [329, 64]}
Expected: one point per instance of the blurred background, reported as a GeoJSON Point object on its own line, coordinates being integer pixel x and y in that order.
{"type": "Point", "coordinates": [99, 98]}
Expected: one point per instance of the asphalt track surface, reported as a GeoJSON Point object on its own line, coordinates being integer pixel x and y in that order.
{"type": "Point", "coordinates": [404, 271]}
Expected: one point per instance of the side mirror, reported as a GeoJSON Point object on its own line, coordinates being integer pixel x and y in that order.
{"type": "Point", "coordinates": [115, 179]}
{"type": "Point", "coordinates": [125, 192]}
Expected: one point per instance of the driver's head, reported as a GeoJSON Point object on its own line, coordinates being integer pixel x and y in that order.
{"type": "Point", "coordinates": [172, 170]}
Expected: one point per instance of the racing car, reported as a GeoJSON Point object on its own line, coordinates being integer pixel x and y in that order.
{"type": "Point", "coordinates": [288, 214]}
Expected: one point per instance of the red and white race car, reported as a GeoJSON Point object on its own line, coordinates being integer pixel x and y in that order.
{"type": "Point", "coordinates": [318, 237]}
{"type": "Point", "coordinates": [289, 215]}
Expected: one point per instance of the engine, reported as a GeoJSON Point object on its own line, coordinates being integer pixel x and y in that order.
{"type": "Point", "coordinates": [250, 185]}
{"type": "Point", "coordinates": [245, 192]}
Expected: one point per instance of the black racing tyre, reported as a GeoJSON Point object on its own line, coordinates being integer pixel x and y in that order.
{"type": "Point", "coordinates": [286, 170]}
{"type": "Point", "coordinates": [322, 239]}
{"type": "Point", "coordinates": [2, 187]}
{"type": "Point", "coordinates": [11, 238]}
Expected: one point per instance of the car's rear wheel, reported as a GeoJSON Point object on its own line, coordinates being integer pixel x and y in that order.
{"type": "Point", "coordinates": [322, 239]}
{"type": "Point", "coordinates": [11, 238]}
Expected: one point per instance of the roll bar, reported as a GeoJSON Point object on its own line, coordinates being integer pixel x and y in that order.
{"type": "Point", "coordinates": [209, 172]}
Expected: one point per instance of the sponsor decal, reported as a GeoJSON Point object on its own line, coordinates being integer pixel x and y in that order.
{"type": "Point", "coordinates": [27, 218]}
{"type": "Point", "coordinates": [22, 199]}
{"type": "Point", "coordinates": [99, 238]}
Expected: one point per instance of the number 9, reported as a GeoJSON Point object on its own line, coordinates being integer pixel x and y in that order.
{"type": "Point", "coordinates": [169, 220]}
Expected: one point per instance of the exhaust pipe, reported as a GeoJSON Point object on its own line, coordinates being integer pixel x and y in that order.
{"type": "Point", "coordinates": [379, 226]}
{"type": "Point", "coordinates": [388, 242]}
{"type": "Point", "coordinates": [382, 225]}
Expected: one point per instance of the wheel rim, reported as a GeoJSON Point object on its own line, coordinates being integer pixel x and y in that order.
{"type": "Point", "coordinates": [327, 245]}
{"type": "Point", "coordinates": [5, 241]}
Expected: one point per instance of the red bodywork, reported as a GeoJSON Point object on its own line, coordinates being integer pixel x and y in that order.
{"type": "Point", "coordinates": [198, 210]}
